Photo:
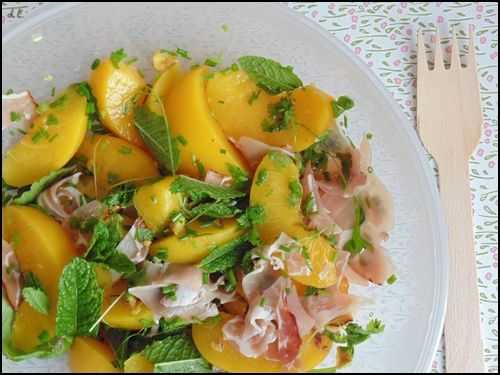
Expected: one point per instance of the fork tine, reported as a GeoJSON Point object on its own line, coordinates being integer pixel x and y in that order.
{"type": "Point", "coordinates": [438, 53]}
{"type": "Point", "coordinates": [471, 56]}
{"type": "Point", "coordinates": [421, 55]}
{"type": "Point", "coordinates": [455, 51]}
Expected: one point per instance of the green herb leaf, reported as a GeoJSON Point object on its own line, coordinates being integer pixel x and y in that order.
{"type": "Point", "coordinates": [357, 243]}
{"type": "Point", "coordinates": [341, 104]}
{"type": "Point", "coordinates": [198, 365]}
{"type": "Point", "coordinates": [80, 300]}
{"type": "Point", "coordinates": [106, 236]}
{"type": "Point", "coordinates": [155, 131]}
{"type": "Point", "coordinates": [281, 116]}
{"type": "Point", "coordinates": [122, 196]}
{"type": "Point", "coordinates": [216, 210]}
{"type": "Point", "coordinates": [182, 53]}
{"type": "Point", "coordinates": [15, 116]}
{"type": "Point", "coordinates": [37, 187]}
{"type": "Point", "coordinates": [223, 256]}
{"type": "Point", "coordinates": [253, 215]}
{"type": "Point", "coordinates": [170, 291]}
{"type": "Point", "coordinates": [354, 334]}
{"type": "Point", "coordinates": [392, 279]}
{"type": "Point", "coordinates": [199, 190]}
{"type": "Point", "coordinates": [261, 177]}
{"type": "Point", "coordinates": [37, 299]}
{"type": "Point", "coordinates": [240, 177]}
{"type": "Point", "coordinates": [95, 64]}
{"type": "Point", "coordinates": [117, 56]}
{"type": "Point", "coordinates": [270, 75]}
{"type": "Point", "coordinates": [173, 348]}
{"type": "Point", "coordinates": [173, 325]}
{"type": "Point", "coordinates": [121, 263]}
{"type": "Point", "coordinates": [295, 193]}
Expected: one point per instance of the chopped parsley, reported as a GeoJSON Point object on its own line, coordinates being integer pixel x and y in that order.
{"type": "Point", "coordinates": [261, 176]}
{"type": "Point", "coordinates": [117, 56]}
{"type": "Point", "coordinates": [170, 291]}
{"type": "Point", "coordinates": [357, 243]}
{"type": "Point", "coordinates": [59, 102]}
{"type": "Point", "coordinates": [51, 120]}
{"type": "Point", "coordinates": [240, 178]}
{"type": "Point", "coordinates": [281, 116]}
{"type": "Point", "coordinates": [15, 116]}
{"type": "Point", "coordinates": [40, 135]}
{"type": "Point", "coordinates": [295, 193]}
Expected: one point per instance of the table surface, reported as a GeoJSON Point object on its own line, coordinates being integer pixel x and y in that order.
{"type": "Point", "coordinates": [381, 35]}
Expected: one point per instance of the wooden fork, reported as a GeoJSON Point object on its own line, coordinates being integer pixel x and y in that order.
{"type": "Point", "coordinates": [449, 121]}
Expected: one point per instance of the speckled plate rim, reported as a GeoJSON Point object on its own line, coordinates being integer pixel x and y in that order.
{"type": "Point", "coordinates": [418, 154]}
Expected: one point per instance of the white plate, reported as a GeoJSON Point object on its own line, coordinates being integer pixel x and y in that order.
{"type": "Point", "coordinates": [73, 35]}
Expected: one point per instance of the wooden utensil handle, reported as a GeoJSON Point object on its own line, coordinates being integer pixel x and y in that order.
{"type": "Point", "coordinates": [464, 350]}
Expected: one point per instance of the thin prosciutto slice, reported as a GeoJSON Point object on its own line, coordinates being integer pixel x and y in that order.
{"type": "Point", "coordinates": [11, 275]}
{"type": "Point", "coordinates": [373, 265]}
{"type": "Point", "coordinates": [254, 151]}
{"type": "Point", "coordinates": [134, 249]}
{"type": "Point", "coordinates": [62, 198]}
{"type": "Point", "coordinates": [18, 111]}
{"type": "Point", "coordinates": [273, 326]}
{"type": "Point", "coordinates": [329, 305]}
{"type": "Point", "coordinates": [194, 300]}
{"type": "Point", "coordinates": [291, 258]}
{"type": "Point", "coordinates": [217, 179]}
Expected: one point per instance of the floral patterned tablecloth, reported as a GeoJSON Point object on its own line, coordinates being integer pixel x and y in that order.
{"type": "Point", "coordinates": [383, 36]}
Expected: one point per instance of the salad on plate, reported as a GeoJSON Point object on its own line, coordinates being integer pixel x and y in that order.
{"type": "Point", "coordinates": [213, 220]}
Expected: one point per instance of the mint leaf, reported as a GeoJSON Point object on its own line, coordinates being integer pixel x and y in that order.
{"type": "Point", "coordinates": [172, 348]}
{"type": "Point", "coordinates": [156, 133]}
{"type": "Point", "coordinates": [106, 236]}
{"type": "Point", "coordinates": [80, 300]}
{"type": "Point", "coordinates": [270, 75]}
{"type": "Point", "coordinates": [38, 186]}
{"type": "Point", "coordinates": [357, 243]}
{"type": "Point", "coordinates": [37, 299]}
{"type": "Point", "coordinates": [217, 210]}
{"type": "Point", "coordinates": [198, 190]}
{"type": "Point", "coordinates": [172, 325]}
{"type": "Point", "coordinates": [198, 365]}
{"type": "Point", "coordinates": [121, 263]}
{"type": "Point", "coordinates": [223, 256]}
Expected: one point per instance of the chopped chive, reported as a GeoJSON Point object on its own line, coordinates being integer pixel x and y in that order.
{"type": "Point", "coordinates": [52, 120]}
{"type": "Point", "coordinates": [95, 64]}
{"type": "Point", "coordinates": [392, 279]}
